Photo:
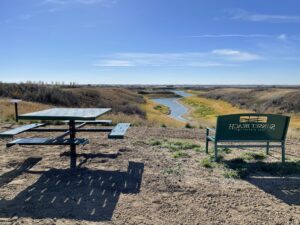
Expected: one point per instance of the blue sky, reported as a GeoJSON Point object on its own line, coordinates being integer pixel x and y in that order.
{"type": "Point", "coordinates": [150, 41]}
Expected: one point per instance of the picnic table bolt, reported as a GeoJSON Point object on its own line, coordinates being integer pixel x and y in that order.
{"type": "Point", "coordinates": [72, 144]}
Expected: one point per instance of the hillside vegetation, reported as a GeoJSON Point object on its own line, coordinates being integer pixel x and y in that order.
{"type": "Point", "coordinates": [204, 111]}
{"type": "Point", "coordinates": [119, 99]}
{"type": "Point", "coordinates": [262, 100]}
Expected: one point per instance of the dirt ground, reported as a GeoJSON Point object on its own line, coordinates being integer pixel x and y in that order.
{"type": "Point", "coordinates": [131, 182]}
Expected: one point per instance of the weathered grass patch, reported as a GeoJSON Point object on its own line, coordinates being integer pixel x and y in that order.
{"type": "Point", "coordinates": [231, 174]}
{"type": "Point", "coordinates": [180, 154]}
{"type": "Point", "coordinates": [242, 167]}
{"type": "Point", "coordinates": [176, 170]}
{"type": "Point", "coordinates": [207, 163]}
{"type": "Point", "coordinates": [174, 145]}
{"type": "Point", "coordinates": [254, 155]}
{"type": "Point", "coordinates": [162, 109]}
{"type": "Point", "coordinates": [177, 148]}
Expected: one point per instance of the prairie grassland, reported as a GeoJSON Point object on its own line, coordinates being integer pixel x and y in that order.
{"type": "Point", "coordinates": [134, 120]}
{"type": "Point", "coordinates": [7, 112]}
{"type": "Point", "coordinates": [204, 111]}
{"type": "Point", "coordinates": [195, 92]}
{"type": "Point", "coordinates": [158, 117]}
{"type": "Point", "coordinates": [7, 109]}
{"type": "Point", "coordinates": [294, 128]}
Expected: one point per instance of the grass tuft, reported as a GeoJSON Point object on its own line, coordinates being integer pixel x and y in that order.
{"type": "Point", "coordinates": [180, 154]}
{"type": "Point", "coordinates": [231, 174]}
{"type": "Point", "coordinates": [207, 163]}
{"type": "Point", "coordinates": [173, 170]}
{"type": "Point", "coordinates": [254, 156]}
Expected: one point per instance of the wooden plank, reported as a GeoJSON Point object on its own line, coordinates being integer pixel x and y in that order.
{"type": "Point", "coordinates": [47, 141]}
{"type": "Point", "coordinates": [18, 130]}
{"type": "Point", "coordinates": [65, 114]}
{"type": "Point", "coordinates": [119, 131]}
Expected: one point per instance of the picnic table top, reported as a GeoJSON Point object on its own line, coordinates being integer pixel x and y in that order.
{"type": "Point", "coordinates": [65, 114]}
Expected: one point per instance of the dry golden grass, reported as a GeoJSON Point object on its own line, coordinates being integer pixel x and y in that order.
{"type": "Point", "coordinates": [134, 120]}
{"type": "Point", "coordinates": [195, 92]}
{"type": "Point", "coordinates": [158, 118]}
{"type": "Point", "coordinates": [7, 109]}
{"type": "Point", "coordinates": [204, 111]}
{"type": "Point", "coordinates": [294, 128]}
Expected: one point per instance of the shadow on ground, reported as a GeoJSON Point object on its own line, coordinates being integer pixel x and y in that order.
{"type": "Point", "coordinates": [85, 194]}
{"type": "Point", "coordinates": [286, 189]}
{"type": "Point", "coordinates": [280, 180]}
{"type": "Point", "coordinates": [25, 166]}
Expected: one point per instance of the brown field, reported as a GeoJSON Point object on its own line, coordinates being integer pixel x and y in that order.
{"type": "Point", "coordinates": [145, 179]}
{"type": "Point", "coordinates": [156, 175]}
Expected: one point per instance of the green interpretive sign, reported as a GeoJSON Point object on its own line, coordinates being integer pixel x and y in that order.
{"type": "Point", "coordinates": [249, 127]}
{"type": "Point", "coordinates": [264, 127]}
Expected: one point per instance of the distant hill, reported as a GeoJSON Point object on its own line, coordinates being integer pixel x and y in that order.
{"type": "Point", "coordinates": [263, 100]}
{"type": "Point", "coordinates": [119, 99]}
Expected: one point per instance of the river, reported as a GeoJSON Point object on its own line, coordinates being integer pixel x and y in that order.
{"type": "Point", "coordinates": [177, 110]}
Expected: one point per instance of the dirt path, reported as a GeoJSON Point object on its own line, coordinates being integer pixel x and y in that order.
{"type": "Point", "coordinates": [131, 182]}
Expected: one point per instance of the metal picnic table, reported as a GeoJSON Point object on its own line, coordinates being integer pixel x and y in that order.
{"type": "Point", "coordinates": [83, 116]}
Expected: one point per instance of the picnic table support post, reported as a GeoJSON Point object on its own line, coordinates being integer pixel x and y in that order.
{"type": "Point", "coordinates": [283, 152]}
{"type": "Point", "coordinates": [206, 141]}
{"type": "Point", "coordinates": [216, 152]}
{"type": "Point", "coordinates": [268, 148]}
{"type": "Point", "coordinates": [72, 145]}
{"type": "Point", "coordinates": [16, 111]}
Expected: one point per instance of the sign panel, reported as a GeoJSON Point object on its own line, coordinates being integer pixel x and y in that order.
{"type": "Point", "coordinates": [252, 127]}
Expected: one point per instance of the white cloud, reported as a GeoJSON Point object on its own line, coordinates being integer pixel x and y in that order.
{"type": "Point", "coordinates": [282, 37]}
{"type": "Point", "coordinates": [114, 63]}
{"type": "Point", "coordinates": [215, 58]}
{"type": "Point", "coordinates": [232, 35]}
{"type": "Point", "coordinates": [235, 55]}
{"type": "Point", "coordinates": [240, 14]}
{"type": "Point", "coordinates": [86, 2]}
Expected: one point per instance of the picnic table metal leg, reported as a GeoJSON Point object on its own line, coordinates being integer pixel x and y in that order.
{"type": "Point", "coordinates": [206, 141]}
{"type": "Point", "coordinates": [16, 112]}
{"type": "Point", "coordinates": [216, 152]}
{"type": "Point", "coordinates": [283, 152]}
{"type": "Point", "coordinates": [72, 145]}
{"type": "Point", "coordinates": [268, 148]}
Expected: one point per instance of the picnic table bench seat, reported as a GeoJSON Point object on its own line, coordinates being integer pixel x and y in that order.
{"type": "Point", "coordinates": [259, 130]}
{"type": "Point", "coordinates": [104, 122]}
{"type": "Point", "coordinates": [10, 133]}
{"type": "Point", "coordinates": [47, 141]}
{"type": "Point", "coordinates": [119, 131]}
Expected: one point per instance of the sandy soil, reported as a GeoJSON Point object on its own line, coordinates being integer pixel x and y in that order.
{"type": "Point", "coordinates": [129, 182]}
